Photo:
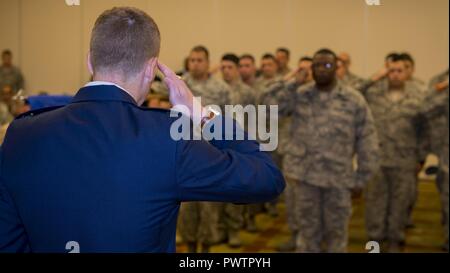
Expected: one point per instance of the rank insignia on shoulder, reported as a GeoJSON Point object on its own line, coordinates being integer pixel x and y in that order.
{"type": "Point", "coordinates": [36, 112]}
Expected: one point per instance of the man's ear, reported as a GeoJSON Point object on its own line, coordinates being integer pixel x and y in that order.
{"type": "Point", "coordinates": [89, 64]}
{"type": "Point", "coordinates": [151, 69]}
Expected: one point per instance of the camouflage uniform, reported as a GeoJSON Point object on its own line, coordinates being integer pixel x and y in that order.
{"type": "Point", "coordinates": [212, 91]}
{"type": "Point", "coordinates": [354, 81]}
{"type": "Point", "coordinates": [283, 72]}
{"type": "Point", "coordinates": [252, 209]}
{"type": "Point", "coordinates": [437, 123]}
{"type": "Point", "coordinates": [11, 76]}
{"type": "Point", "coordinates": [420, 85]}
{"type": "Point", "coordinates": [388, 195]}
{"type": "Point", "coordinates": [5, 115]}
{"type": "Point", "coordinates": [328, 129]}
{"type": "Point", "coordinates": [270, 86]}
{"type": "Point", "coordinates": [361, 84]}
{"type": "Point", "coordinates": [233, 215]}
{"type": "Point", "coordinates": [264, 86]}
{"type": "Point", "coordinates": [200, 221]}
{"type": "Point", "coordinates": [291, 191]}
{"type": "Point", "coordinates": [242, 94]}
{"type": "Point", "coordinates": [423, 146]}
{"type": "Point", "coordinates": [437, 110]}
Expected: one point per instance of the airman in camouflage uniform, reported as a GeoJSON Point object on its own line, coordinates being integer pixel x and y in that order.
{"type": "Point", "coordinates": [9, 74]}
{"type": "Point", "coordinates": [241, 94]}
{"type": "Point", "coordinates": [433, 127]}
{"type": "Point", "coordinates": [247, 71]}
{"type": "Point", "coordinates": [437, 110]}
{"type": "Point", "coordinates": [291, 191]}
{"type": "Point", "coordinates": [437, 123]}
{"type": "Point", "coordinates": [301, 76]}
{"type": "Point", "coordinates": [200, 221]}
{"type": "Point", "coordinates": [397, 108]}
{"type": "Point", "coordinates": [420, 87]}
{"type": "Point", "coordinates": [268, 79]}
{"type": "Point", "coordinates": [331, 124]}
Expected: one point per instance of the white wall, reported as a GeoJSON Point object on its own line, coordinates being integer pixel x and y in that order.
{"type": "Point", "coordinates": [50, 39]}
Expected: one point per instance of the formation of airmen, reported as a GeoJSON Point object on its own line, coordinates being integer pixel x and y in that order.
{"type": "Point", "coordinates": [340, 136]}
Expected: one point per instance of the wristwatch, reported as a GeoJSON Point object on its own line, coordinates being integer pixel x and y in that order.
{"type": "Point", "coordinates": [209, 115]}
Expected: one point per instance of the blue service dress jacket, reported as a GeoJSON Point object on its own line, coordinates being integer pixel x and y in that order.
{"type": "Point", "coordinates": [105, 174]}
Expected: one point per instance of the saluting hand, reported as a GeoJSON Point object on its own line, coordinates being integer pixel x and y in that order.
{"type": "Point", "coordinates": [179, 92]}
{"type": "Point", "coordinates": [442, 86]}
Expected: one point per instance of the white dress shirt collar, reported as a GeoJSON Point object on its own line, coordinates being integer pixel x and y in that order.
{"type": "Point", "coordinates": [97, 83]}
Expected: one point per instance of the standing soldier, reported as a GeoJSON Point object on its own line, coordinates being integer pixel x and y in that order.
{"type": "Point", "coordinates": [283, 56]}
{"type": "Point", "coordinates": [301, 76]}
{"type": "Point", "coordinates": [248, 70]}
{"type": "Point", "coordinates": [199, 221]}
{"type": "Point", "coordinates": [331, 124]}
{"type": "Point", "coordinates": [437, 110]}
{"type": "Point", "coordinates": [9, 74]}
{"type": "Point", "coordinates": [269, 74]}
{"type": "Point", "coordinates": [241, 94]}
{"type": "Point", "coordinates": [438, 123]}
{"type": "Point", "coordinates": [268, 80]}
{"type": "Point", "coordinates": [424, 141]}
{"type": "Point", "coordinates": [397, 109]}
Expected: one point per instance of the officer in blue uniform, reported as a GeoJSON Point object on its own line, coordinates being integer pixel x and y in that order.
{"type": "Point", "coordinates": [102, 174]}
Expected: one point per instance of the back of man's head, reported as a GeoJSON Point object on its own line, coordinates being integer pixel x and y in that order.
{"type": "Point", "coordinates": [123, 40]}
